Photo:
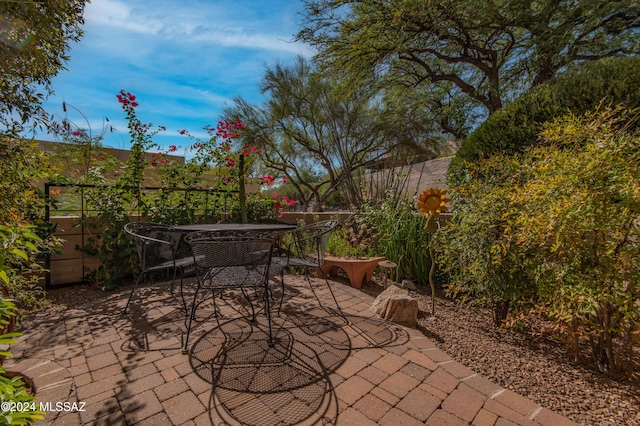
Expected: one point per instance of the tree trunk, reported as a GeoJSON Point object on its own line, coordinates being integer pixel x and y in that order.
{"type": "Point", "coordinates": [500, 311]}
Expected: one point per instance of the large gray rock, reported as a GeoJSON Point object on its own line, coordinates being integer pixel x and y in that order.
{"type": "Point", "coordinates": [396, 305]}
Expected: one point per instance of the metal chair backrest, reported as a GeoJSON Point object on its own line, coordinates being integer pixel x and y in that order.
{"type": "Point", "coordinates": [157, 244]}
{"type": "Point", "coordinates": [310, 241]}
{"type": "Point", "coordinates": [224, 262]}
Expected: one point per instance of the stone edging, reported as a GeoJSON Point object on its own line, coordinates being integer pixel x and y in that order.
{"type": "Point", "coordinates": [50, 381]}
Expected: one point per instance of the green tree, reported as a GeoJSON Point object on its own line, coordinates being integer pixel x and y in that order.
{"type": "Point", "coordinates": [317, 137]}
{"type": "Point", "coordinates": [431, 124]}
{"type": "Point", "coordinates": [581, 88]}
{"type": "Point", "coordinates": [483, 52]}
{"type": "Point", "coordinates": [35, 37]}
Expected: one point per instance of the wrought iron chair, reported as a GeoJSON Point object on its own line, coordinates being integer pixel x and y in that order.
{"type": "Point", "coordinates": [158, 250]}
{"type": "Point", "coordinates": [306, 249]}
{"type": "Point", "coordinates": [230, 262]}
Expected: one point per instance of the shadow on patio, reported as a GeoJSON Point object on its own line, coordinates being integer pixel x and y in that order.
{"type": "Point", "coordinates": [324, 368]}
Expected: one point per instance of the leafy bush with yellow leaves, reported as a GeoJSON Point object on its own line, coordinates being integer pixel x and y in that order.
{"type": "Point", "coordinates": [556, 231]}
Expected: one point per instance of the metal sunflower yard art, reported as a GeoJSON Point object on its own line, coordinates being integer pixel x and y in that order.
{"type": "Point", "coordinates": [431, 203]}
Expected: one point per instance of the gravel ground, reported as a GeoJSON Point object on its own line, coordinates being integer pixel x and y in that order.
{"type": "Point", "coordinates": [535, 368]}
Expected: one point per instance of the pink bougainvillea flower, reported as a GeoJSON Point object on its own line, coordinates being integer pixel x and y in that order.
{"type": "Point", "coordinates": [127, 100]}
{"type": "Point", "coordinates": [289, 200]}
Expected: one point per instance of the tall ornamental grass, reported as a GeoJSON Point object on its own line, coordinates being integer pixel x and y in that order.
{"type": "Point", "coordinates": [401, 237]}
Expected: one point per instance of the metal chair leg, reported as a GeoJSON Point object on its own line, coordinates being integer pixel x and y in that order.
{"type": "Point", "coordinates": [124, 311]}
{"type": "Point", "coordinates": [281, 290]}
{"type": "Point", "coordinates": [185, 350]}
{"type": "Point", "coordinates": [268, 308]}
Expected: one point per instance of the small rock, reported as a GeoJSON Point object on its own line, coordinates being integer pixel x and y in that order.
{"type": "Point", "coordinates": [408, 284]}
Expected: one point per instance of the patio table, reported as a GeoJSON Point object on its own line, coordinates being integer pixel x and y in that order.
{"type": "Point", "coordinates": [237, 227]}
{"type": "Point", "coordinates": [213, 234]}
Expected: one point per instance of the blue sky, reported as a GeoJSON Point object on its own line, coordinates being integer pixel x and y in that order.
{"type": "Point", "coordinates": [183, 59]}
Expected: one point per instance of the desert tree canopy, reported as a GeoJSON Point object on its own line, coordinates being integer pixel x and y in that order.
{"type": "Point", "coordinates": [488, 52]}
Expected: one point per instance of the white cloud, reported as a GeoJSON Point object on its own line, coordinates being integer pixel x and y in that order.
{"type": "Point", "coordinates": [189, 23]}
{"type": "Point", "coordinates": [185, 60]}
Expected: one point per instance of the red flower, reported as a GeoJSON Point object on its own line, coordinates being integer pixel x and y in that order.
{"type": "Point", "coordinates": [289, 201]}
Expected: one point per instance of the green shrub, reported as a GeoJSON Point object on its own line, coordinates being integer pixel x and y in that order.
{"type": "Point", "coordinates": [13, 389]}
{"type": "Point", "coordinates": [580, 228]}
{"type": "Point", "coordinates": [24, 237]}
{"type": "Point", "coordinates": [20, 269]}
{"type": "Point", "coordinates": [515, 127]}
{"type": "Point", "coordinates": [475, 248]}
{"type": "Point", "coordinates": [557, 228]}
{"type": "Point", "coordinates": [338, 244]}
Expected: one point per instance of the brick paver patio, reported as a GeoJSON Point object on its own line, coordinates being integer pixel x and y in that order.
{"type": "Point", "coordinates": [325, 368]}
